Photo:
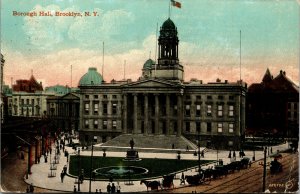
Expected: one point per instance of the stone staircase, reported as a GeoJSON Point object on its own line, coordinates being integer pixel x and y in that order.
{"type": "Point", "coordinates": [151, 143]}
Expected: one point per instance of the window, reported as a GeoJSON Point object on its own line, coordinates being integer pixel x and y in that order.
{"type": "Point", "coordinates": [175, 110]}
{"type": "Point", "coordinates": [231, 97]}
{"type": "Point", "coordinates": [230, 128]}
{"type": "Point", "coordinates": [114, 96]}
{"type": "Point", "coordinates": [220, 127]}
{"type": "Point", "coordinates": [96, 107]}
{"type": "Point", "coordinates": [104, 124]}
{"type": "Point", "coordinates": [86, 123]}
{"type": "Point", "coordinates": [104, 108]}
{"type": "Point", "coordinates": [198, 127]}
{"type": "Point", "coordinates": [175, 127]}
{"type": "Point", "coordinates": [198, 109]}
{"type": "Point", "coordinates": [208, 127]}
{"type": "Point", "coordinates": [22, 102]}
{"type": "Point", "coordinates": [32, 101]}
{"type": "Point", "coordinates": [198, 97]}
{"type": "Point", "coordinates": [188, 97]}
{"type": "Point", "coordinates": [95, 124]}
{"type": "Point", "coordinates": [87, 96]}
{"type": "Point", "coordinates": [105, 96]}
{"type": "Point", "coordinates": [187, 110]}
{"type": "Point", "coordinates": [27, 101]}
{"type": "Point", "coordinates": [86, 108]}
{"type": "Point", "coordinates": [209, 97]}
{"type": "Point", "coordinates": [187, 127]}
{"type": "Point", "coordinates": [231, 109]}
{"type": "Point", "coordinates": [220, 97]}
{"type": "Point", "coordinates": [114, 124]}
{"type": "Point", "coordinates": [38, 101]}
{"type": "Point", "coordinates": [114, 108]}
{"type": "Point", "coordinates": [209, 110]}
{"type": "Point", "coordinates": [220, 110]}
{"type": "Point", "coordinates": [95, 96]}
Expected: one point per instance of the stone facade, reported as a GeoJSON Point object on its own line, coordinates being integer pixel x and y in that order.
{"type": "Point", "coordinates": [161, 103]}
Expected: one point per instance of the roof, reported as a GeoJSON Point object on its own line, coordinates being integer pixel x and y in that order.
{"type": "Point", "coordinates": [91, 78]}
{"type": "Point", "coordinates": [148, 64]}
{"type": "Point", "coordinates": [280, 84]}
{"type": "Point", "coordinates": [169, 24]}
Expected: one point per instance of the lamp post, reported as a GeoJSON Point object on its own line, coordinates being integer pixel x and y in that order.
{"type": "Point", "coordinates": [78, 168]}
{"type": "Point", "coordinates": [91, 167]}
{"type": "Point", "coordinates": [199, 165]}
{"type": "Point", "coordinates": [265, 169]}
{"type": "Point", "coordinates": [253, 158]}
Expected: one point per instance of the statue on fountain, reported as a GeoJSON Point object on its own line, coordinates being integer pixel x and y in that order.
{"type": "Point", "coordinates": [132, 154]}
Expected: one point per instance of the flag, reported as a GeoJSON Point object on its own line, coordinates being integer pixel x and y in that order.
{"type": "Point", "coordinates": [176, 3]}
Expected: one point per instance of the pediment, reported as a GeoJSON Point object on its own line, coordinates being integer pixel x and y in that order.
{"type": "Point", "coordinates": [151, 83]}
{"type": "Point", "coordinates": [70, 96]}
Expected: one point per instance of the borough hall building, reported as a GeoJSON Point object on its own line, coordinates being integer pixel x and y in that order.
{"type": "Point", "coordinates": [161, 103]}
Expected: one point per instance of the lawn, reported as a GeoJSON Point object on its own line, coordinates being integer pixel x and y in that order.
{"type": "Point", "coordinates": [156, 167]}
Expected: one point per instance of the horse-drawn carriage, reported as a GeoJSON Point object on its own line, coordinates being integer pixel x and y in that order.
{"type": "Point", "coordinates": [204, 176]}
{"type": "Point", "coordinates": [167, 181]}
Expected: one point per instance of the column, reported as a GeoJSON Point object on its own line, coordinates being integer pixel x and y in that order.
{"type": "Point", "coordinates": [146, 121]}
{"type": "Point", "coordinates": [180, 115]}
{"type": "Point", "coordinates": [168, 114]}
{"type": "Point", "coordinates": [156, 114]}
{"type": "Point", "coordinates": [125, 113]}
{"type": "Point", "coordinates": [135, 109]}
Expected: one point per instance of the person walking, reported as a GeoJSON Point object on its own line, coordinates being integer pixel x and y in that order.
{"type": "Point", "coordinates": [75, 190]}
{"type": "Point", "coordinates": [62, 174]}
{"type": "Point", "coordinates": [31, 188]}
{"type": "Point", "coordinates": [108, 188]}
{"type": "Point", "coordinates": [113, 188]}
{"type": "Point", "coordinates": [27, 189]}
{"type": "Point", "coordinates": [118, 188]}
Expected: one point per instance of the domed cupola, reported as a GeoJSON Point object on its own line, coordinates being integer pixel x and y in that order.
{"type": "Point", "coordinates": [168, 29]}
{"type": "Point", "coordinates": [91, 78]}
{"type": "Point", "coordinates": [147, 68]}
{"type": "Point", "coordinates": [168, 44]}
{"type": "Point", "coordinates": [148, 64]}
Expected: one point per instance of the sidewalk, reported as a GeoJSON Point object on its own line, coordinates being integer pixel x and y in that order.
{"type": "Point", "coordinates": [39, 176]}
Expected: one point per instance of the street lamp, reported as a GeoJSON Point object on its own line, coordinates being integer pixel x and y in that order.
{"type": "Point", "coordinates": [265, 169]}
{"type": "Point", "coordinates": [199, 165]}
{"type": "Point", "coordinates": [78, 148]}
{"type": "Point", "coordinates": [91, 167]}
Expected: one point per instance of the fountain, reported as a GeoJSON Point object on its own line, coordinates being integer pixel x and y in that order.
{"type": "Point", "coordinates": [121, 171]}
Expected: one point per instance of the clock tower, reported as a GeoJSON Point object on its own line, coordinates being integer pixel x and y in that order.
{"type": "Point", "coordinates": [168, 66]}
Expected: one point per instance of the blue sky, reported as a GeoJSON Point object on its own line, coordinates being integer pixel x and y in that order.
{"type": "Point", "coordinates": [208, 30]}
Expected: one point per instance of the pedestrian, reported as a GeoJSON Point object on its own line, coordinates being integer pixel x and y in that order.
{"type": "Point", "coordinates": [108, 188]}
{"type": "Point", "coordinates": [182, 180]}
{"type": "Point", "coordinates": [46, 159]}
{"type": "Point", "coordinates": [75, 189]}
{"type": "Point", "coordinates": [202, 154]}
{"type": "Point", "coordinates": [65, 169]}
{"type": "Point", "coordinates": [113, 188]}
{"type": "Point", "coordinates": [27, 189]}
{"type": "Point", "coordinates": [100, 191]}
{"type": "Point", "coordinates": [173, 146]}
{"type": "Point", "coordinates": [62, 176]}
{"type": "Point", "coordinates": [118, 188]}
{"type": "Point", "coordinates": [50, 150]}
{"type": "Point", "coordinates": [31, 188]}
{"type": "Point", "coordinates": [234, 154]}
{"type": "Point", "coordinates": [96, 191]}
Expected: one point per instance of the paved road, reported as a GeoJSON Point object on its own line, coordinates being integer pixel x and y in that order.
{"type": "Point", "coordinates": [250, 180]}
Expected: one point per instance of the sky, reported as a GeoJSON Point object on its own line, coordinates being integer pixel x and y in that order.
{"type": "Point", "coordinates": [208, 31]}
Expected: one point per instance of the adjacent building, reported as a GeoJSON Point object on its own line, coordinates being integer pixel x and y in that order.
{"type": "Point", "coordinates": [1, 89]}
{"type": "Point", "coordinates": [273, 107]}
{"type": "Point", "coordinates": [161, 103]}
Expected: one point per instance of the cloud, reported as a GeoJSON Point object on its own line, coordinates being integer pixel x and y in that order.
{"type": "Point", "coordinates": [51, 32]}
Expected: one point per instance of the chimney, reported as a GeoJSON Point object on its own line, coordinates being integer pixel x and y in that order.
{"type": "Point", "coordinates": [284, 73]}
{"type": "Point", "coordinates": [226, 81]}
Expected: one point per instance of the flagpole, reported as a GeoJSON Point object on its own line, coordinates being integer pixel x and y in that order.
{"type": "Point", "coordinates": [155, 51]}
{"type": "Point", "coordinates": [240, 55]}
{"type": "Point", "coordinates": [169, 9]}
